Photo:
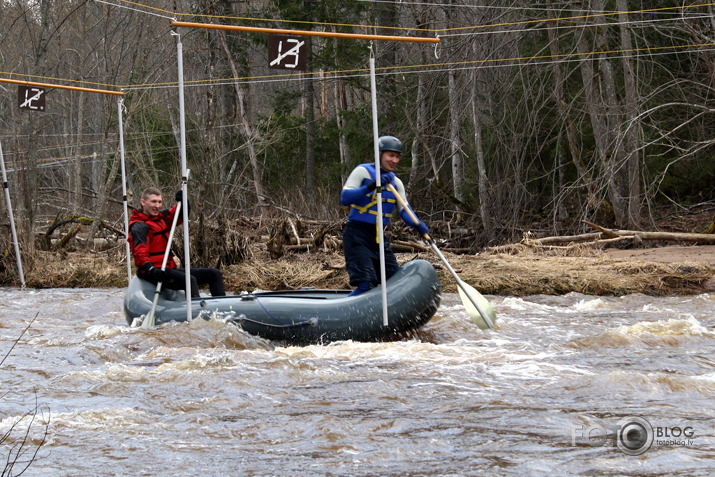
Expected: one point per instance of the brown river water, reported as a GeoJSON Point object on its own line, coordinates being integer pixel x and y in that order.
{"type": "Point", "coordinates": [558, 388]}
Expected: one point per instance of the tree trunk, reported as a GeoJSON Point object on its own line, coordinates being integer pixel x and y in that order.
{"type": "Point", "coordinates": [614, 151]}
{"type": "Point", "coordinates": [455, 119]}
{"type": "Point", "coordinates": [103, 192]}
{"type": "Point", "coordinates": [421, 136]}
{"type": "Point", "coordinates": [309, 93]}
{"type": "Point", "coordinates": [455, 138]}
{"type": "Point", "coordinates": [76, 169]}
{"type": "Point", "coordinates": [600, 105]}
{"type": "Point", "coordinates": [567, 120]}
{"type": "Point", "coordinates": [340, 107]}
{"type": "Point", "coordinates": [632, 127]}
{"type": "Point", "coordinates": [483, 181]}
{"type": "Point", "coordinates": [245, 124]}
{"type": "Point", "coordinates": [29, 174]}
{"type": "Point", "coordinates": [386, 58]}
{"type": "Point", "coordinates": [605, 112]}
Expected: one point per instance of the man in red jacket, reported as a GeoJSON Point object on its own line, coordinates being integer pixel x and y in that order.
{"type": "Point", "coordinates": [149, 230]}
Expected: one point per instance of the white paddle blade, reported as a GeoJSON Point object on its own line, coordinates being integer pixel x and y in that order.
{"type": "Point", "coordinates": [473, 311]}
{"type": "Point", "coordinates": [149, 320]}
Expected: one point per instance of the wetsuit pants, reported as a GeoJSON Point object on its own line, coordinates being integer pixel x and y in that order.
{"type": "Point", "coordinates": [176, 280]}
{"type": "Point", "coordinates": [362, 254]}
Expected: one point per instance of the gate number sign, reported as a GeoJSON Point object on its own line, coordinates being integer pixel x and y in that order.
{"type": "Point", "coordinates": [286, 52]}
{"type": "Point", "coordinates": [31, 97]}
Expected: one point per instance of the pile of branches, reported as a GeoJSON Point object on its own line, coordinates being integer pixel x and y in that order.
{"type": "Point", "coordinates": [226, 242]}
{"type": "Point", "coordinates": [603, 238]}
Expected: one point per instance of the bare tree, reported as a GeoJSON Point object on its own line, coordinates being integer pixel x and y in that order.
{"type": "Point", "coordinates": [19, 438]}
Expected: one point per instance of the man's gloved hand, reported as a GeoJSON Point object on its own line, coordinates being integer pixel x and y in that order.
{"type": "Point", "coordinates": [157, 274]}
{"type": "Point", "coordinates": [422, 228]}
{"type": "Point", "coordinates": [179, 196]}
{"type": "Point", "coordinates": [153, 273]}
{"type": "Point", "coordinates": [387, 178]}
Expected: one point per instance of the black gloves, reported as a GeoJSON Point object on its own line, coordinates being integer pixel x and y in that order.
{"type": "Point", "coordinates": [153, 273]}
{"type": "Point", "coordinates": [179, 196]}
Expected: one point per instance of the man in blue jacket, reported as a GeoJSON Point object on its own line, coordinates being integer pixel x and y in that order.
{"type": "Point", "coordinates": [360, 233]}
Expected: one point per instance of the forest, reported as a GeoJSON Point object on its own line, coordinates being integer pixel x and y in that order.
{"type": "Point", "coordinates": [525, 117]}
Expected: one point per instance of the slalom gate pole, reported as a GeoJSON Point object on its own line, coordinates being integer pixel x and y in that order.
{"type": "Point", "coordinates": [15, 243]}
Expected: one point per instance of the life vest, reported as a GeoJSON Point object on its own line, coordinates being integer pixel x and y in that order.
{"type": "Point", "coordinates": [157, 238]}
{"type": "Point", "coordinates": [366, 210]}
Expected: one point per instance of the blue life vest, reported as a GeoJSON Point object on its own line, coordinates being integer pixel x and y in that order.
{"type": "Point", "coordinates": [366, 210]}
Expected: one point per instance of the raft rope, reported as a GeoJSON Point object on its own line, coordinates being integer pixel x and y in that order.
{"type": "Point", "coordinates": [281, 324]}
{"type": "Point", "coordinates": [241, 318]}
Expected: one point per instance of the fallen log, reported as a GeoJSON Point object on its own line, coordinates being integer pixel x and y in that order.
{"type": "Point", "coordinates": [400, 246]}
{"type": "Point", "coordinates": [643, 235]}
{"type": "Point", "coordinates": [47, 242]}
{"type": "Point", "coordinates": [562, 239]}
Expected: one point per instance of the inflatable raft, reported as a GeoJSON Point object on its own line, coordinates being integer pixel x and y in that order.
{"type": "Point", "coordinates": [306, 316]}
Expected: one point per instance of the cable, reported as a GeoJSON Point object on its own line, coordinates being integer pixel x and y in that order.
{"type": "Point", "coordinates": [274, 78]}
{"type": "Point", "coordinates": [50, 78]}
{"type": "Point", "coordinates": [257, 19]}
{"type": "Point", "coordinates": [281, 323]}
{"type": "Point", "coordinates": [404, 69]}
{"type": "Point", "coordinates": [241, 318]}
{"type": "Point", "coordinates": [589, 25]}
{"type": "Point", "coordinates": [136, 9]}
{"type": "Point", "coordinates": [431, 30]}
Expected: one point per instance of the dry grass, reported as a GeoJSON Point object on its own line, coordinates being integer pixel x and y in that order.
{"type": "Point", "coordinates": [584, 271]}
{"type": "Point", "coordinates": [520, 272]}
{"type": "Point", "coordinates": [289, 272]}
{"type": "Point", "coordinates": [75, 270]}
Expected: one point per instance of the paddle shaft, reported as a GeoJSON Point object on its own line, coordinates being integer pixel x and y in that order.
{"type": "Point", "coordinates": [437, 251]}
{"type": "Point", "coordinates": [150, 319]}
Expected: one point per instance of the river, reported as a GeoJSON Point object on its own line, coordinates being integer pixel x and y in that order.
{"type": "Point", "coordinates": [556, 389]}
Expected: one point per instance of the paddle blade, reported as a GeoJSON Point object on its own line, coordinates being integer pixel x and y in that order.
{"type": "Point", "coordinates": [149, 320]}
{"type": "Point", "coordinates": [478, 307]}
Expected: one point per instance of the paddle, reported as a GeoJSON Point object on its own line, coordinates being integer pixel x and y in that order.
{"type": "Point", "coordinates": [478, 307]}
{"type": "Point", "coordinates": [150, 319]}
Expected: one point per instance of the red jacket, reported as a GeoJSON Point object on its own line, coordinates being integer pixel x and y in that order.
{"type": "Point", "coordinates": [149, 237]}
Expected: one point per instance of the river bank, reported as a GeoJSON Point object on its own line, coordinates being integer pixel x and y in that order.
{"type": "Point", "coordinates": [656, 271]}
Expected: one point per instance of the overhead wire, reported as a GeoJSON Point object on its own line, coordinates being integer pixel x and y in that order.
{"type": "Point", "coordinates": [570, 18]}
{"type": "Point", "coordinates": [50, 78]}
{"type": "Point", "coordinates": [358, 72]}
{"type": "Point", "coordinates": [476, 64]}
{"type": "Point", "coordinates": [259, 19]}
{"type": "Point", "coordinates": [445, 32]}
{"type": "Point", "coordinates": [440, 31]}
{"type": "Point", "coordinates": [355, 72]}
{"type": "Point", "coordinates": [404, 69]}
{"type": "Point", "coordinates": [130, 137]}
{"type": "Point", "coordinates": [138, 9]}
{"type": "Point", "coordinates": [535, 7]}
{"type": "Point", "coordinates": [585, 25]}
{"type": "Point", "coordinates": [273, 78]}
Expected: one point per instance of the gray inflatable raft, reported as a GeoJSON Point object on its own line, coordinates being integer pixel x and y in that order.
{"type": "Point", "coordinates": [307, 315]}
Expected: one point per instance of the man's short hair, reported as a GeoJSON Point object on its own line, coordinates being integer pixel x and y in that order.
{"type": "Point", "coordinates": [150, 191]}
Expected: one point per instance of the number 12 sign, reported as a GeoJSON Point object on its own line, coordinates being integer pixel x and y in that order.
{"type": "Point", "coordinates": [31, 97]}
